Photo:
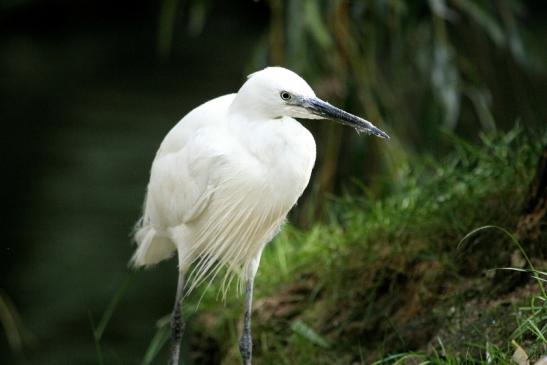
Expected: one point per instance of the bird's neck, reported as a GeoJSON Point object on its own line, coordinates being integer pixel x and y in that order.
{"type": "Point", "coordinates": [252, 106]}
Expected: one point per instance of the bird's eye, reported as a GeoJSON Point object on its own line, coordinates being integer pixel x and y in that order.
{"type": "Point", "coordinates": [285, 95]}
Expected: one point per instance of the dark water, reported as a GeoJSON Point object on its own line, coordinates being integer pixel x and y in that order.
{"type": "Point", "coordinates": [84, 106]}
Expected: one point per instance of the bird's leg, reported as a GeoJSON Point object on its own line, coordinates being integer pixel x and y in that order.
{"type": "Point", "coordinates": [246, 341]}
{"type": "Point", "coordinates": [177, 324]}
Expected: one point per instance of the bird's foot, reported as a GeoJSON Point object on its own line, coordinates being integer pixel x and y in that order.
{"type": "Point", "coordinates": [246, 349]}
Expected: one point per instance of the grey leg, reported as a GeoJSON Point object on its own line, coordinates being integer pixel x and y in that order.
{"type": "Point", "coordinates": [177, 325]}
{"type": "Point", "coordinates": [246, 341]}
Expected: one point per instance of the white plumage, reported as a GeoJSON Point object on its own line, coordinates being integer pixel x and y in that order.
{"type": "Point", "coordinates": [224, 180]}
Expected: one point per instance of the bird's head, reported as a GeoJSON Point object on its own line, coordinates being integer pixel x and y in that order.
{"type": "Point", "coordinates": [276, 92]}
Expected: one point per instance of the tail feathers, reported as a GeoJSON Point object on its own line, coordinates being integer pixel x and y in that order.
{"type": "Point", "coordinates": [151, 248]}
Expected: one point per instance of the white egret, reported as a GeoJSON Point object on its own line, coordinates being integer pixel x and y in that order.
{"type": "Point", "coordinates": [223, 181]}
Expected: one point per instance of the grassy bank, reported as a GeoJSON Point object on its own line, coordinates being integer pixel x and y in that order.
{"type": "Point", "coordinates": [392, 279]}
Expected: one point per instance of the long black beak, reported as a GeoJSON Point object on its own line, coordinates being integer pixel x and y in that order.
{"type": "Point", "coordinates": [328, 111]}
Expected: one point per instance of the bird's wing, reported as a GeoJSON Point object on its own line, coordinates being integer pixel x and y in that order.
{"type": "Point", "coordinates": [182, 183]}
{"type": "Point", "coordinates": [184, 172]}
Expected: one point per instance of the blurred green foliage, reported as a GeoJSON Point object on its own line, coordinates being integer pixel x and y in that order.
{"type": "Point", "coordinates": [411, 67]}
